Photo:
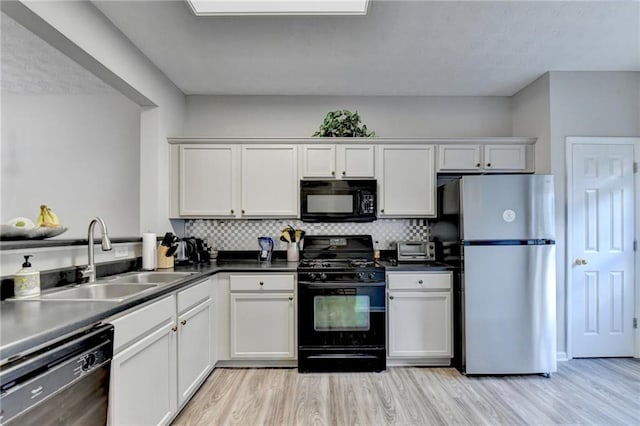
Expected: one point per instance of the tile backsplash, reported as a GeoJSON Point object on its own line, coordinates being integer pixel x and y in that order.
{"type": "Point", "coordinates": [243, 234]}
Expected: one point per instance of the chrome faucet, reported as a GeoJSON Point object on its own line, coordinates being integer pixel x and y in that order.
{"type": "Point", "coordinates": [90, 270]}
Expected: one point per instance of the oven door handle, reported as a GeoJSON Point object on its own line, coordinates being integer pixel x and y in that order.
{"type": "Point", "coordinates": [310, 284]}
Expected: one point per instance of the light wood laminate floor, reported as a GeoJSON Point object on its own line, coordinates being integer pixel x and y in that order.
{"type": "Point", "coordinates": [583, 391]}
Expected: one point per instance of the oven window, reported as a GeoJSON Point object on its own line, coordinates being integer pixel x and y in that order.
{"type": "Point", "coordinates": [341, 313]}
{"type": "Point", "coordinates": [329, 203]}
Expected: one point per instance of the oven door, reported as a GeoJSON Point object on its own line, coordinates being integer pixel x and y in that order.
{"type": "Point", "coordinates": [341, 315]}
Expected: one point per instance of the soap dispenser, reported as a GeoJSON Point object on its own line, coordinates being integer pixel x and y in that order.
{"type": "Point", "coordinates": [26, 282]}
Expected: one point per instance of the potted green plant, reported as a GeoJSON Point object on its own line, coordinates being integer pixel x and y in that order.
{"type": "Point", "coordinates": [343, 123]}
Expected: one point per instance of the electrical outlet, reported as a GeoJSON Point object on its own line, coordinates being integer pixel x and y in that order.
{"type": "Point", "coordinates": [121, 251]}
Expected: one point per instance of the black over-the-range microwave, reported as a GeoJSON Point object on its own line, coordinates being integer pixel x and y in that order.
{"type": "Point", "coordinates": [339, 200]}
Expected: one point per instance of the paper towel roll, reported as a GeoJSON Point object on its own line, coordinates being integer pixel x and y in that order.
{"type": "Point", "coordinates": [149, 243]}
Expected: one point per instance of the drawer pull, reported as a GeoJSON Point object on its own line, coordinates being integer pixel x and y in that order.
{"type": "Point", "coordinates": [183, 322]}
{"type": "Point", "coordinates": [488, 164]}
{"type": "Point", "coordinates": [344, 173]}
{"type": "Point", "coordinates": [420, 282]}
{"type": "Point", "coordinates": [231, 211]}
{"type": "Point", "coordinates": [390, 297]}
{"type": "Point", "coordinates": [290, 297]}
{"type": "Point", "coordinates": [333, 173]}
{"type": "Point", "coordinates": [477, 164]}
{"type": "Point", "coordinates": [261, 283]}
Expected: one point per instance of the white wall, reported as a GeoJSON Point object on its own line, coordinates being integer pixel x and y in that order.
{"type": "Point", "coordinates": [585, 104]}
{"type": "Point", "coordinates": [300, 116]}
{"type": "Point", "coordinates": [78, 154]}
{"type": "Point", "coordinates": [82, 32]}
{"type": "Point", "coordinates": [530, 115]}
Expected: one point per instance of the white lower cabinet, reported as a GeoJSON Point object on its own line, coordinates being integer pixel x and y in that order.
{"type": "Point", "coordinates": [143, 381]}
{"type": "Point", "coordinates": [163, 352]}
{"type": "Point", "coordinates": [419, 315]}
{"type": "Point", "coordinates": [262, 317]}
{"type": "Point", "coordinates": [195, 358]}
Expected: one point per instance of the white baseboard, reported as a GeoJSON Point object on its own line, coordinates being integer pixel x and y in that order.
{"type": "Point", "coordinates": [561, 356]}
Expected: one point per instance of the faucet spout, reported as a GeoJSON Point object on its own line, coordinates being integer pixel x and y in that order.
{"type": "Point", "coordinates": [90, 270]}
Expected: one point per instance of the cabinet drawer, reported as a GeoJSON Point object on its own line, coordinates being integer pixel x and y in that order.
{"type": "Point", "coordinates": [133, 325]}
{"type": "Point", "coordinates": [193, 295]}
{"type": "Point", "coordinates": [261, 282]}
{"type": "Point", "coordinates": [419, 281]}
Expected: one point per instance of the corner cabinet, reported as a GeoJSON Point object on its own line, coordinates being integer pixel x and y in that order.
{"type": "Point", "coordinates": [269, 181]}
{"type": "Point", "coordinates": [406, 181]}
{"type": "Point", "coordinates": [341, 161]}
{"type": "Point", "coordinates": [420, 318]}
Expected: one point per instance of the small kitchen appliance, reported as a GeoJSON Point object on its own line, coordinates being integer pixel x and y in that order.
{"type": "Point", "coordinates": [341, 305]}
{"type": "Point", "coordinates": [344, 200]}
{"type": "Point", "coordinates": [266, 248]}
{"type": "Point", "coordinates": [503, 243]}
{"type": "Point", "coordinates": [416, 251]}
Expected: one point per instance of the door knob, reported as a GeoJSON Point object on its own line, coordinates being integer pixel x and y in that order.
{"type": "Point", "coordinates": [581, 261]}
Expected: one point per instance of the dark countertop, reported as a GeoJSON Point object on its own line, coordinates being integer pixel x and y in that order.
{"type": "Point", "coordinates": [27, 325]}
{"type": "Point", "coordinates": [394, 266]}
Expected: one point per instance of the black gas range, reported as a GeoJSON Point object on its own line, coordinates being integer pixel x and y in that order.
{"type": "Point", "coordinates": [341, 305]}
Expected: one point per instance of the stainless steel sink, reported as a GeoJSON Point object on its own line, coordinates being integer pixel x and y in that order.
{"type": "Point", "coordinates": [107, 292]}
{"type": "Point", "coordinates": [149, 277]}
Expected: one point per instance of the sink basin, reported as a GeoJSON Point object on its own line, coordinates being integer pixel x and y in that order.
{"type": "Point", "coordinates": [149, 277]}
{"type": "Point", "coordinates": [108, 292]}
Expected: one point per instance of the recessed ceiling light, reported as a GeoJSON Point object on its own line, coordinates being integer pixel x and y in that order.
{"type": "Point", "coordinates": [277, 7]}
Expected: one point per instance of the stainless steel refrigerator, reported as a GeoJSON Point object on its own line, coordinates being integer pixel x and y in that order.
{"type": "Point", "coordinates": [502, 232]}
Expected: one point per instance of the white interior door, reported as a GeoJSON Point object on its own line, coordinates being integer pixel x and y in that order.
{"type": "Point", "coordinates": [601, 226]}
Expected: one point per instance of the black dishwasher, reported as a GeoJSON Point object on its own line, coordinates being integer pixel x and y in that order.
{"type": "Point", "coordinates": [65, 383]}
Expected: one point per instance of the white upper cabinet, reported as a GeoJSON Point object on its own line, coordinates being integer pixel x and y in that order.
{"type": "Point", "coordinates": [269, 181]}
{"type": "Point", "coordinates": [485, 158]}
{"type": "Point", "coordinates": [459, 157]}
{"type": "Point", "coordinates": [407, 181]}
{"type": "Point", "coordinates": [337, 161]}
{"type": "Point", "coordinates": [208, 180]}
{"type": "Point", "coordinates": [505, 157]}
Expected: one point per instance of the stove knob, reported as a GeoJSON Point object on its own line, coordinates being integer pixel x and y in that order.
{"type": "Point", "coordinates": [361, 276]}
{"type": "Point", "coordinates": [372, 275]}
{"type": "Point", "coordinates": [312, 276]}
{"type": "Point", "coordinates": [323, 276]}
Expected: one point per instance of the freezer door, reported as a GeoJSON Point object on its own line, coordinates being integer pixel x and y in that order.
{"type": "Point", "coordinates": [507, 207]}
{"type": "Point", "coordinates": [510, 309]}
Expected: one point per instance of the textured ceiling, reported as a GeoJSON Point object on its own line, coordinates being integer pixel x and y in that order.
{"type": "Point", "coordinates": [32, 66]}
{"type": "Point", "coordinates": [400, 48]}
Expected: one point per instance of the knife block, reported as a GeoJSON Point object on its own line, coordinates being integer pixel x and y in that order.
{"type": "Point", "coordinates": [164, 262]}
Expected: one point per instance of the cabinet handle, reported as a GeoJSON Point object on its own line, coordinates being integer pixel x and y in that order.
{"type": "Point", "coordinates": [344, 173]}
{"type": "Point", "coordinates": [381, 210]}
{"type": "Point", "coordinates": [231, 211]}
{"type": "Point", "coordinates": [174, 328]}
{"type": "Point", "coordinates": [242, 212]}
{"type": "Point", "coordinates": [290, 297]}
{"type": "Point", "coordinates": [477, 164]}
{"type": "Point", "coordinates": [333, 173]}
{"type": "Point", "coordinates": [261, 283]}
{"type": "Point", "coordinates": [183, 322]}
{"type": "Point", "coordinates": [488, 164]}
{"type": "Point", "coordinates": [390, 297]}
{"type": "Point", "coordinates": [420, 282]}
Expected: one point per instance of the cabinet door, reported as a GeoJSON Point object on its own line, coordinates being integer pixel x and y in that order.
{"type": "Point", "coordinates": [262, 326]}
{"type": "Point", "coordinates": [208, 180]}
{"type": "Point", "coordinates": [407, 180]}
{"type": "Point", "coordinates": [356, 161]}
{"type": "Point", "coordinates": [143, 381]}
{"type": "Point", "coordinates": [420, 324]}
{"type": "Point", "coordinates": [269, 180]}
{"type": "Point", "coordinates": [459, 157]}
{"type": "Point", "coordinates": [318, 161]}
{"type": "Point", "coordinates": [195, 330]}
{"type": "Point", "coordinates": [505, 157]}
